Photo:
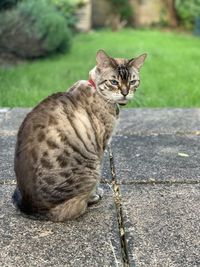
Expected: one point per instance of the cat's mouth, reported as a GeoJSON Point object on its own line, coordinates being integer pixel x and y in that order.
{"type": "Point", "coordinates": [122, 101]}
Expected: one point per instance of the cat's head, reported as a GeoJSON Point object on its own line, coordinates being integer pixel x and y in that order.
{"type": "Point", "coordinates": [117, 78]}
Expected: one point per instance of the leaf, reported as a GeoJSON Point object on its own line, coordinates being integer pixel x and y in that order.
{"type": "Point", "coordinates": [183, 154]}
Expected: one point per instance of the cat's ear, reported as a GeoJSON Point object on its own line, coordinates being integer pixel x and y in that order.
{"type": "Point", "coordinates": [103, 60]}
{"type": "Point", "coordinates": [138, 61]}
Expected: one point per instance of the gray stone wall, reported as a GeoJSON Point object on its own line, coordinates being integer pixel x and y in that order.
{"type": "Point", "coordinates": [84, 14]}
{"type": "Point", "coordinates": [146, 12]}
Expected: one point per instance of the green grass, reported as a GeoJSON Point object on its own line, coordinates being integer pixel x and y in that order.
{"type": "Point", "coordinates": [170, 76]}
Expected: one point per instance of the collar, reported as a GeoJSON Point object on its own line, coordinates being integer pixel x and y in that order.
{"type": "Point", "coordinates": [91, 83]}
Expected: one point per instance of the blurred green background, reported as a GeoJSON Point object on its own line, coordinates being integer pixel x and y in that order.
{"type": "Point", "coordinates": [47, 45]}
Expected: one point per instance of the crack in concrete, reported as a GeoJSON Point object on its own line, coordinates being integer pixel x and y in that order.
{"type": "Point", "coordinates": [165, 182]}
{"type": "Point", "coordinates": [156, 133]}
{"type": "Point", "coordinates": [119, 210]}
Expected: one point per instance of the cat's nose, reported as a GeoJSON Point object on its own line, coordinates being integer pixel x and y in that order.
{"type": "Point", "coordinates": [124, 91]}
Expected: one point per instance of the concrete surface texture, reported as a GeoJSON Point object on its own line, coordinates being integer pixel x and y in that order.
{"type": "Point", "coordinates": [150, 213]}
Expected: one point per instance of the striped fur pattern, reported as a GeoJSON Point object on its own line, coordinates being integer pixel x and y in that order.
{"type": "Point", "coordinates": [61, 142]}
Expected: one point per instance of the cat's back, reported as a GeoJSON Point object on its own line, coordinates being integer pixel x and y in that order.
{"type": "Point", "coordinates": [51, 112]}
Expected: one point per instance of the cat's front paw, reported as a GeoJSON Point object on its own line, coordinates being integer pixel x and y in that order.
{"type": "Point", "coordinates": [94, 198]}
{"type": "Point", "coordinates": [100, 192]}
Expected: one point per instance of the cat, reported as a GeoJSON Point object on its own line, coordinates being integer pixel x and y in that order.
{"type": "Point", "coordinates": [60, 143]}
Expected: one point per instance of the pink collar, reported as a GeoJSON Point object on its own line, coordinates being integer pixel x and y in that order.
{"type": "Point", "coordinates": [91, 83]}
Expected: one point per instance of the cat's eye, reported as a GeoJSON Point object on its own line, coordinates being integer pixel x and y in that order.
{"type": "Point", "coordinates": [133, 82]}
{"type": "Point", "coordinates": [114, 82]}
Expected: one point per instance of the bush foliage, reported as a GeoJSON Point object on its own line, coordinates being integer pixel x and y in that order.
{"type": "Point", "coordinates": [123, 8]}
{"type": "Point", "coordinates": [67, 8]}
{"type": "Point", "coordinates": [188, 11]}
{"type": "Point", "coordinates": [33, 29]}
{"type": "Point", "coordinates": [5, 4]}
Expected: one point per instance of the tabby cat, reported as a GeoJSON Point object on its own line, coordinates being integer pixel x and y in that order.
{"type": "Point", "coordinates": [61, 142]}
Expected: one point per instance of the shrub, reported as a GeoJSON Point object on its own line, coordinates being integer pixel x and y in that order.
{"type": "Point", "coordinates": [49, 24]}
{"type": "Point", "coordinates": [33, 29]}
{"type": "Point", "coordinates": [67, 8]}
{"type": "Point", "coordinates": [188, 11]}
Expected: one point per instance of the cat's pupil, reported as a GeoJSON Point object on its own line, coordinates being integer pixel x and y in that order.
{"type": "Point", "coordinates": [114, 82]}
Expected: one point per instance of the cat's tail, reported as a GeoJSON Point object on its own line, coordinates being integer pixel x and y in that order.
{"type": "Point", "coordinates": [17, 198]}
{"type": "Point", "coordinates": [19, 204]}
{"type": "Point", "coordinates": [23, 207]}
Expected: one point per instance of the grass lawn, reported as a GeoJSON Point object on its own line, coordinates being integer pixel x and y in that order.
{"type": "Point", "coordinates": [170, 76]}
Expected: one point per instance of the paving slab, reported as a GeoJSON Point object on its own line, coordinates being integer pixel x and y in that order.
{"type": "Point", "coordinates": [91, 240]}
{"type": "Point", "coordinates": [7, 147]}
{"type": "Point", "coordinates": [162, 225]}
{"type": "Point", "coordinates": [2, 115]}
{"type": "Point", "coordinates": [156, 157]}
{"type": "Point", "coordinates": [4, 110]}
{"type": "Point", "coordinates": [105, 167]}
{"type": "Point", "coordinates": [156, 120]}
{"type": "Point", "coordinates": [13, 119]}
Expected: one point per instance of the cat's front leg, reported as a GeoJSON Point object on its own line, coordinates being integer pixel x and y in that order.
{"type": "Point", "coordinates": [96, 195]}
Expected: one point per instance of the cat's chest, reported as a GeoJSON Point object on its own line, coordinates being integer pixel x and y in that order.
{"type": "Point", "coordinates": [106, 113]}
{"type": "Point", "coordinates": [107, 118]}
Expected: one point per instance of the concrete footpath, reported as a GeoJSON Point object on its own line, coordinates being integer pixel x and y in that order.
{"type": "Point", "coordinates": [150, 213]}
